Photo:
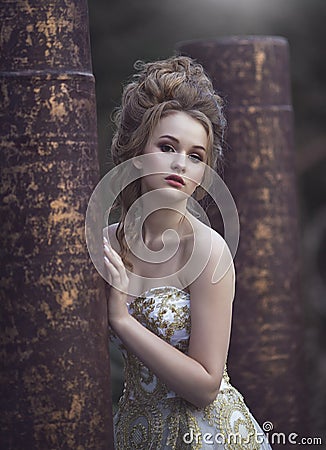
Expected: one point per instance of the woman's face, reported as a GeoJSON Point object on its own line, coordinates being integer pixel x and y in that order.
{"type": "Point", "coordinates": [178, 147]}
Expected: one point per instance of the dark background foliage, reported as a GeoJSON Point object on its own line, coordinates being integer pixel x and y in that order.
{"type": "Point", "coordinates": [123, 32]}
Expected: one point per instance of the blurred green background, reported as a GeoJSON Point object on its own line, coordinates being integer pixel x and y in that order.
{"type": "Point", "coordinates": [123, 32]}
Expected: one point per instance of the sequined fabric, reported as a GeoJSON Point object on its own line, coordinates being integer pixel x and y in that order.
{"type": "Point", "coordinates": [150, 416]}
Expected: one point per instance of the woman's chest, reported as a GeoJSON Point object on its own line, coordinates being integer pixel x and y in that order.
{"type": "Point", "coordinates": [157, 269]}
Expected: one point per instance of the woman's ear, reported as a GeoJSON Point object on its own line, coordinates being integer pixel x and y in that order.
{"type": "Point", "coordinates": [137, 163]}
{"type": "Point", "coordinates": [199, 193]}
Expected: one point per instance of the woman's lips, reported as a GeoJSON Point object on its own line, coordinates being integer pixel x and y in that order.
{"type": "Point", "coordinates": [175, 181]}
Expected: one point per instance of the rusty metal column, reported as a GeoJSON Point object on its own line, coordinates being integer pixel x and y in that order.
{"type": "Point", "coordinates": [55, 368]}
{"type": "Point", "coordinates": [252, 74]}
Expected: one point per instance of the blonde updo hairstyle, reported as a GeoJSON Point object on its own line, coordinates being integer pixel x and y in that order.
{"type": "Point", "coordinates": [159, 88]}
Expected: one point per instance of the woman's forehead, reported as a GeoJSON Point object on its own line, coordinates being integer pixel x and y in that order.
{"type": "Point", "coordinates": [181, 125]}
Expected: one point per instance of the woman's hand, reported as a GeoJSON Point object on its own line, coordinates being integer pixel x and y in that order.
{"type": "Point", "coordinates": [119, 282]}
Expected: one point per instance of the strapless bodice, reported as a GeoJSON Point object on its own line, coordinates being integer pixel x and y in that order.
{"type": "Point", "coordinates": [166, 312]}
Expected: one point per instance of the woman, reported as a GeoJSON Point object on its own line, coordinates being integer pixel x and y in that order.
{"type": "Point", "coordinates": [168, 310]}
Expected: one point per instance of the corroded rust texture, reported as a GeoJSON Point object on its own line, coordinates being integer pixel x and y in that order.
{"type": "Point", "coordinates": [252, 74]}
{"type": "Point", "coordinates": [55, 367]}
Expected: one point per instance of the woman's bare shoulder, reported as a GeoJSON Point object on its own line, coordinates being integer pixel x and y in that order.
{"type": "Point", "coordinates": [110, 233]}
{"type": "Point", "coordinates": [203, 233]}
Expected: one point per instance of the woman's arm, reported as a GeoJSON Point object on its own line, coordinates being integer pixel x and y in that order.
{"type": "Point", "coordinates": [197, 375]}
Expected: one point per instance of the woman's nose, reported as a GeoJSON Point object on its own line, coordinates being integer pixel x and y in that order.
{"type": "Point", "coordinates": [179, 162]}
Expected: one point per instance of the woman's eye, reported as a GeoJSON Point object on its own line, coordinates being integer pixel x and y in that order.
{"type": "Point", "coordinates": [166, 148]}
{"type": "Point", "coordinates": [195, 157]}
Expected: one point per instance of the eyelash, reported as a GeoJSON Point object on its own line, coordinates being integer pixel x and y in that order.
{"type": "Point", "coordinates": [193, 156]}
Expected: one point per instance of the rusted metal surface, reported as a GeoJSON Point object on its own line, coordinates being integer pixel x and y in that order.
{"type": "Point", "coordinates": [55, 368]}
{"type": "Point", "coordinates": [252, 74]}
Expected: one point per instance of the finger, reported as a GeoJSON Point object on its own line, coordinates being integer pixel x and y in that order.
{"type": "Point", "coordinates": [115, 266]}
{"type": "Point", "coordinates": [117, 281]}
{"type": "Point", "coordinates": [114, 274]}
{"type": "Point", "coordinates": [118, 276]}
{"type": "Point", "coordinates": [113, 252]}
{"type": "Point", "coordinates": [113, 257]}
{"type": "Point", "coordinates": [108, 276]}
{"type": "Point", "coordinates": [113, 261]}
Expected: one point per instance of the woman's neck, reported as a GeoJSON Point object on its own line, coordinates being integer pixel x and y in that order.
{"type": "Point", "coordinates": [159, 221]}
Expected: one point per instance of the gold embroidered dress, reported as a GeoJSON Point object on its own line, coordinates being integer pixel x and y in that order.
{"type": "Point", "coordinates": [151, 416]}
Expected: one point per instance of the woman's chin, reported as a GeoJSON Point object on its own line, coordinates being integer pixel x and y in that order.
{"type": "Point", "coordinates": [169, 194]}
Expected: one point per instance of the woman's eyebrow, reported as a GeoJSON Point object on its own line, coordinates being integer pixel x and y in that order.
{"type": "Point", "coordinates": [169, 137]}
{"type": "Point", "coordinates": [200, 147]}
